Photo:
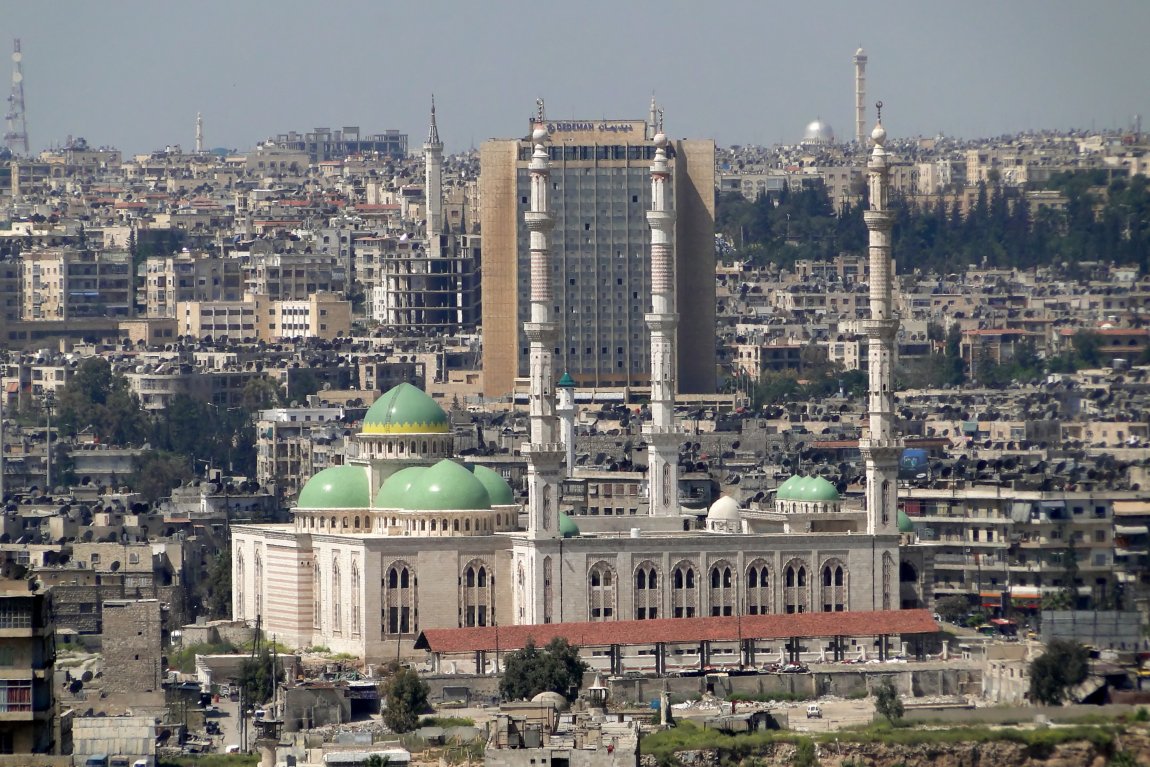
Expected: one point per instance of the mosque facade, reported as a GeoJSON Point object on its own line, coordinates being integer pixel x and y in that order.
{"type": "Point", "coordinates": [403, 537]}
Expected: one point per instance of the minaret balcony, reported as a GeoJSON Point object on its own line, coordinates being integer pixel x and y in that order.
{"type": "Point", "coordinates": [538, 222]}
{"type": "Point", "coordinates": [660, 219]}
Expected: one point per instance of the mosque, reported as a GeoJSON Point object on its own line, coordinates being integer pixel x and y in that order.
{"type": "Point", "coordinates": [403, 537]}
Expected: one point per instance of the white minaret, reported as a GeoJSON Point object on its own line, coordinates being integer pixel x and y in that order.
{"type": "Point", "coordinates": [566, 412]}
{"type": "Point", "coordinates": [433, 185]}
{"type": "Point", "coordinates": [880, 448]}
{"type": "Point", "coordinates": [544, 453]}
{"type": "Point", "coordinates": [199, 133]}
{"type": "Point", "coordinates": [661, 435]}
{"type": "Point", "coordinates": [860, 97]}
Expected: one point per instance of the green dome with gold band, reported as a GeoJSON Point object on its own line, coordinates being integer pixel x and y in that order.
{"type": "Point", "coordinates": [799, 488]}
{"type": "Point", "coordinates": [336, 487]}
{"type": "Point", "coordinates": [405, 409]}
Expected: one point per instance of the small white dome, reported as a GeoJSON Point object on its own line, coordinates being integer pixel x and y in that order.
{"type": "Point", "coordinates": [725, 508]}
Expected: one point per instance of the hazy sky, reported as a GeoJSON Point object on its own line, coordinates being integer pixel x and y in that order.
{"type": "Point", "coordinates": [133, 73]}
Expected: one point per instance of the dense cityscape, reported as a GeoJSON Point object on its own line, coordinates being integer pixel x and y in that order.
{"type": "Point", "coordinates": [589, 445]}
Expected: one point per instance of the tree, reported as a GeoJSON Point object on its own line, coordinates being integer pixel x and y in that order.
{"type": "Point", "coordinates": [259, 676]}
{"type": "Point", "coordinates": [261, 393]}
{"type": "Point", "coordinates": [218, 585]}
{"type": "Point", "coordinates": [530, 671]}
{"type": "Point", "coordinates": [887, 702]}
{"type": "Point", "coordinates": [1054, 673]}
{"type": "Point", "coordinates": [952, 609]}
{"type": "Point", "coordinates": [98, 399]}
{"type": "Point", "coordinates": [155, 474]}
{"type": "Point", "coordinates": [406, 699]}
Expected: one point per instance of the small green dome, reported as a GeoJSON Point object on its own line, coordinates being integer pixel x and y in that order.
{"type": "Point", "coordinates": [447, 486]}
{"type": "Point", "coordinates": [404, 409]}
{"type": "Point", "coordinates": [393, 494]}
{"type": "Point", "coordinates": [786, 491]}
{"type": "Point", "coordinates": [566, 382]}
{"type": "Point", "coordinates": [498, 490]}
{"type": "Point", "coordinates": [819, 490]}
{"type": "Point", "coordinates": [567, 526]}
{"type": "Point", "coordinates": [336, 487]}
{"type": "Point", "coordinates": [905, 525]}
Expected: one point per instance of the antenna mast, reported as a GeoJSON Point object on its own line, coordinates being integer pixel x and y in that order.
{"type": "Point", "coordinates": [16, 137]}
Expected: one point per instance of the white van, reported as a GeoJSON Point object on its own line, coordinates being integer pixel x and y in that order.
{"type": "Point", "coordinates": [813, 711]}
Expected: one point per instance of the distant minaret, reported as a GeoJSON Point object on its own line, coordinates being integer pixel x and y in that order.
{"type": "Point", "coordinates": [880, 448]}
{"type": "Point", "coordinates": [566, 412]}
{"type": "Point", "coordinates": [860, 97]}
{"type": "Point", "coordinates": [199, 133]}
{"type": "Point", "coordinates": [433, 186]}
{"type": "Point", "coordinates": [652, 120]}
{"type": "Point", "coordinates": [544, 453]}
{"type": "Point", "coordinates": [16, 136]}
{"type": "Point", "coordinates": [662, 438]}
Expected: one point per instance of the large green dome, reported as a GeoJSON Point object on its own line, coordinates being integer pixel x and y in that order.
{"type": "Point", "coordinates": [905, 524]}
{"type": "Point", "coordinates": [567, 526]}
{"type": "Point", "coordinates": [336, 487]}
{"type": "Point", "coordinates": [393, 494]}
{"type": "Point", "coordinates": [447, 486]}
{"type": "Point", "coordinates": [498, 490]}
{"type": "Point", "coordinates": [404, 409]}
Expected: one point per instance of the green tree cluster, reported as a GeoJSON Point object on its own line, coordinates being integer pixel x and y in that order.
{"type": "Point", "coordinates": [1054, 673]}
{"type": "Point", "coordinates": [1105, 218]}
{"type": "Point", "coordinates": [554, 668]}
{"type": "Point", "coordinates": [259, 676]}
{"type": "Point", "coordinates": [99, 401]}
{"type": "Point", "coordinates": [406, 698]}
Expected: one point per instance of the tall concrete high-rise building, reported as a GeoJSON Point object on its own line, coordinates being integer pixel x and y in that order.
{"type": "Point", "coordinates": [860, 96]}
{"type": "Point", "coordinates": [600, 254]}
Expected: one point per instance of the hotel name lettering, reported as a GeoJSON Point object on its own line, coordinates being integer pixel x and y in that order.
{"type": "Point", "coordinates": [619, 127]}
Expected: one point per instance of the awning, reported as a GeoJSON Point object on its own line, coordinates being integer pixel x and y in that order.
{"type": "Point", "coordinates": [1131, 529]}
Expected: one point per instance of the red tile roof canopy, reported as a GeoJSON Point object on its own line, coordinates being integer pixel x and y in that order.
{"type": "Point", "coordinates": [681, 630]}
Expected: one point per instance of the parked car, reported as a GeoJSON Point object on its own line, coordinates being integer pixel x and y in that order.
{"type": "Point", "coordinates": [813, 711]}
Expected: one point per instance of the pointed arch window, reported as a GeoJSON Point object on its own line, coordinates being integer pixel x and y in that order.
{"type": "Point", "coordinates": [646, 596]}
{"type": "Point", "coordinates": [477, 603]}
{"type": "Point", "coordinates": [601, 594]}
{"type": "Point", "coordinates": [833, 586]}
{"type": "Point", "coordinates": [684, 594]}
{"type": "Point", "coordinates": [796, 591]}
{"type": "Point", "coordinates": [758, 588]}
{"type": "Point", "coordinates": [722, 591]}
{"type": "Point", "coordinates": [399, 599]}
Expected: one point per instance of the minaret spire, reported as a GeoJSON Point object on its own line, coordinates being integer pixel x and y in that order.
{"type": "Point", "coordinates": [199, 133]}
{"type": "Point", "coordinates": [544, 453]}
{"type": "Point", "coordinates": [662, 438]}
{"type": "Point", "coordinates": [433, 186]}
{"type": "Point", "coordinates": [881, 448]}
{"type": "Point", "coordinates": [860, 97]}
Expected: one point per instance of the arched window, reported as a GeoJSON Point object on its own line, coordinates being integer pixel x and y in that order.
{"type": "Point", "coordinates": [455, 526]}
{"type": "Point", "coordinates": [333, 523]}
{"type": "Point", "coordinates": [355, 597]}
{"type": "Point", "coordinates": [646, 591]}
{"type": "Point", "coordinates": [477, 602]}
{"type": "Point", "coordinates": [399, 615]}
{"type": "Point", "coordinates": [684, 595]}
{"type": "Point", "coordinates": [336, 598]}
{"type": "Point", "coordinates": [834, 586]}
{"type": "Point", "coordinates": [240, 606]}
{"type": "Point", "coordinates": [433, 525]}
{"type": "Point", "coordinates": [796, 593]}
{"type": "Point", "coordinates": [547, 589]}
{"type": "Point", "coordinates": [758, 588]}
{"type": "Point", "coordinates": [601, 594]}
{"type": "Point", "coordinates": [467, 525]}
{"type": "Point", "coordinates": [316, 587]}
{"type": "Point", "coordinates": [258, 586]}
{"type": "Point", "coordinates": [722, 592]}
{"type": "Point", "coordinates": [888, 568]}
{"type": "Point", "coordinates": [355, 523]}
